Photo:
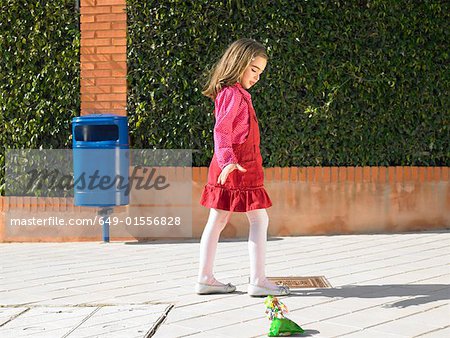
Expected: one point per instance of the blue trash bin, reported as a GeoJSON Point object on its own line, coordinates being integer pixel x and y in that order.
{"type": "Point", "coordinates": [100, 160]}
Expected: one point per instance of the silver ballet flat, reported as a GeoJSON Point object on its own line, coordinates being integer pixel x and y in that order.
{"type": "Point", "coordinates": [206, 289]}
{"type": "Point", "coordinates": [260, 291]}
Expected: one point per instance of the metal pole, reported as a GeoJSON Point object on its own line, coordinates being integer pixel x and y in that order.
{"type": "Point", "coordinates": [105, 221]}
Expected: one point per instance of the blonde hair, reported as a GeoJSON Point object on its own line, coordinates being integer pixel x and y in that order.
{"type": "Point", "coordinates": [228, 70]}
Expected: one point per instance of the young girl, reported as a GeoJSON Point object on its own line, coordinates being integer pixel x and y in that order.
{"type": "Point", "coordinates": [235, 177]}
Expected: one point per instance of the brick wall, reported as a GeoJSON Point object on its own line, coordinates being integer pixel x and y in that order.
{"type": "Point", "coordinates": [306, 201]}
{"type": "Point", "coordinates": [344, 200]}
{"type": "Point", "coordinates": [103, 56]}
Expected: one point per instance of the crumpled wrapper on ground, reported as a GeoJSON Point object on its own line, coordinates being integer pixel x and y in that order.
{"type": "Point", "coordinates": [280, 326]}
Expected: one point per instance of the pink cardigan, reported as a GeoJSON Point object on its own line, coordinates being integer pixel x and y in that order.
{"type": "Point", "coordinates": [232, 122]}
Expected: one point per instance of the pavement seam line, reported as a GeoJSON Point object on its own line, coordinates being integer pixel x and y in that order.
{"type": "Point", "coordinates": [437, 330]}
{"type": "Point", "coordinates": [425, 279]}
{"type": "Point", "coordinates": [401, 273]}
{"type": "Point", "coordinates": [384, 267]}
{"type": "Point", "coordinates": [402, 317]}
{"type": "Point", "coordinates": [82, 321]}
{"type": "Point", "coordinates": [14, 317]}
{"type": "Point", "coordinates": [159, 322]}
{"type": "Point", "coordinates": [362, 255]}
{"type": "Point", "coordinates": [362, 248]}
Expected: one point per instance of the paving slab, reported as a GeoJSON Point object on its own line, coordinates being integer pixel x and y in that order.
{"type": "Point", "coordinates": [66, 321]}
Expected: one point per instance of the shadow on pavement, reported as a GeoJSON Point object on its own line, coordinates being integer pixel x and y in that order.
{"type": "Point", "coordinates": [306, 333]}
{"type": "Point", "coordinates": [190, 240]}
{"type": "Point", "coordinates": [420, 294]}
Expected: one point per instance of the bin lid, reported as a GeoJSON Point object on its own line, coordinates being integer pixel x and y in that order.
{"type": "Point", "coordinates": [97, 129]}
{"type": "Point", "coordinates": [99, 118]}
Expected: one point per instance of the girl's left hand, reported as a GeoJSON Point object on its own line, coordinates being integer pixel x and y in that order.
{"type": "Point", "coordinates": [227, 170]}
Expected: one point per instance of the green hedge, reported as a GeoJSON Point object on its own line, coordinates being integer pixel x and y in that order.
{"type": "Point", "coordinates": [348, 83]}
{"type": "Point", "coordinates": [39, 74]}
{"type": "Point", "coordinates": [352, 83]}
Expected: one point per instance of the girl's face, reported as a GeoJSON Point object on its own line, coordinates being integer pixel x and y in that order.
{"type": "Point", "coordinates": [252, 73]}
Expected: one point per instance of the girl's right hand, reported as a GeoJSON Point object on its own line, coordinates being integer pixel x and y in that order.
{"type": "Point", "coordinates": [227, 170]}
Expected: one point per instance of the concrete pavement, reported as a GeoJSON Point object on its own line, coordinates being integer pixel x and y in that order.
{"type": "Point", "coordinates": [383, 285]}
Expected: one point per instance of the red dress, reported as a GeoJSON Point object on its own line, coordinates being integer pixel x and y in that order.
{"type": "Point", "coordinates": [242, 191]}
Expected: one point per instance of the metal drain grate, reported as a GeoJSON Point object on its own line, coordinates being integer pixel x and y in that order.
{"type": "Point", "coordinates": [302, 282]}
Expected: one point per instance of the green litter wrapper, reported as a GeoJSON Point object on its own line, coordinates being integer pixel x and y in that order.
{"type": "Point", "coordinates": [281, 326]}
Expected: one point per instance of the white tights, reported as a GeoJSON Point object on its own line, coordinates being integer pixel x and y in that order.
{"type": "Point", "coordinates": [218, 219]}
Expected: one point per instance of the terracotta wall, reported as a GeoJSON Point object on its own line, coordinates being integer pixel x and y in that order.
{"type": "Point", "coordinates": [348, 200]}
{"type": "Point", "coordinates": [307, 201]}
